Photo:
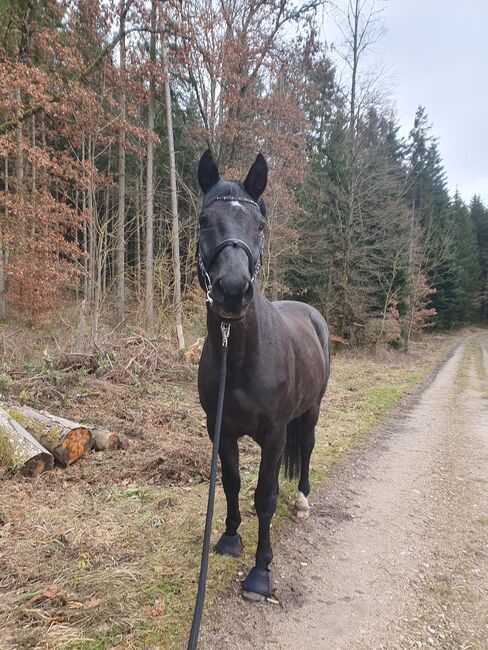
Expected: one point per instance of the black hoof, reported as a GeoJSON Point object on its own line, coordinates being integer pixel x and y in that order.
{"type": "Point", "coordinates": [229, 545]}
{"type": "Point", "coordinates": [257, 582]}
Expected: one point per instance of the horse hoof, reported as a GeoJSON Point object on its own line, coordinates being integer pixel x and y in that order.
{"type": "Point", "coordinates": [229, 545]}
{"type": "Point", "coordinates": [302, 509]}
{"type": "Point", "coordinates": [253, 597]}
{"type": "Point", "coordinates": [257, 585]}
{"type": "Point", "coordinates": [302, 514]}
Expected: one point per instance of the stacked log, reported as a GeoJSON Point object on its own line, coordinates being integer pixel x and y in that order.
{"type": "Point", "coordinates": [65, 440]}
{"type": "Point", "coordinates": [103, 439]}
{"type": "Point", "coordinates": [32, 440]}
{"type": "Point", "coordinates": [21, 450]}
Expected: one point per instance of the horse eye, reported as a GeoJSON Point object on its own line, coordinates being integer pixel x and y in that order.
{"type": "Point", "coordinates": [203, 222]}
{"type": "Point", "coordinates": [261, 227]}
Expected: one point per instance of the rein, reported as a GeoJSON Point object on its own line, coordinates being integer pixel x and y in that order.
{"type": "Point", "coordinates": [202, 580]}
{"type": "Point", "coordinates": [204, 264]}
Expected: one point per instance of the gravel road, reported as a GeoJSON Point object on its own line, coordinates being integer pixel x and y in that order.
{"type": "Point", "coordinates": [395, 554]}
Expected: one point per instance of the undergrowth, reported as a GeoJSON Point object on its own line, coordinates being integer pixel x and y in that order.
{"type": "Point", "coordinates": [107, 552]}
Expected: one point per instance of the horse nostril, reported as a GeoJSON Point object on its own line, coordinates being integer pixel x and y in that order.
{"type": "Point", "coordinates": [228, 289]}
{"type": "Point", "coordinates": [248, 293]}
{"type": "Point", "coordinates": [218, 291]}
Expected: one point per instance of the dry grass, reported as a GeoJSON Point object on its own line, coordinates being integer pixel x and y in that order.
{"type": "Point", "coordinates": [105, 553]}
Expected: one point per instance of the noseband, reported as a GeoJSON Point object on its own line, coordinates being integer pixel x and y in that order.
{"type": "Point", "coordinates": [205, 263]}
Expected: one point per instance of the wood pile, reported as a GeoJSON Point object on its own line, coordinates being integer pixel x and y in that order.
{"type": "Point", "coordinates": [32, 441]}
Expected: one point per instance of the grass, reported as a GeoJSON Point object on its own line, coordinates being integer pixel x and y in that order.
{"type": "Point", "coordinates": [482, 519]}
{"type": "Point", "coordinates": [472, 367]}
{"type": "Point", "coordinates": [123, 555]}
{"type": "Point", "coordinates": [6, 449]}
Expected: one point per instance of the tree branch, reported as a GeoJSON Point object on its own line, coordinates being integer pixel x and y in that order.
{"type": "Point", "coordinates": [10, 125]}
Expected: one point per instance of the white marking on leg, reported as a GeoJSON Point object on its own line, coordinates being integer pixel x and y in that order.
{"type": "Point", "coordinates": [302, 509]}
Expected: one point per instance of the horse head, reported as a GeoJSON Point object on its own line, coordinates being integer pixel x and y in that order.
{"type": "Point", "coordinates": [231, 236]}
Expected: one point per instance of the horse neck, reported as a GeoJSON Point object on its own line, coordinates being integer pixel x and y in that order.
{"type": "Point", "coordinates": [245, 334]}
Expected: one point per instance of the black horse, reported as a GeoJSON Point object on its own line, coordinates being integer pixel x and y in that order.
{"type": "Point", "coordinates": [278, 359]}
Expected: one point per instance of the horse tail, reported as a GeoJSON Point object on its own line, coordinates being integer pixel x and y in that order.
{"type": "Point", "coordinates": [293, 456]}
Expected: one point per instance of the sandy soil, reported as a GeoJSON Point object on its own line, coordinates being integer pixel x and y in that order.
{"type": "Point", "coordinates": [395, 554]}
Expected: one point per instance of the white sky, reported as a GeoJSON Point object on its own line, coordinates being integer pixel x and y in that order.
{"type": "Point", "coordinates": [436, 54]}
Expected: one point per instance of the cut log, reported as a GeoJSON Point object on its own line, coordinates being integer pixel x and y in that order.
{"type": "Point", "coordinates": [103, 440]}
{"type": "Point", "coordinates": [20, 449]}
{"type": "Point", "coordinates": [66, 440]}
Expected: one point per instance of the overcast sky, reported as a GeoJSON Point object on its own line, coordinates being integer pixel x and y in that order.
{"type": "Point", "coordinates": [436, 54]}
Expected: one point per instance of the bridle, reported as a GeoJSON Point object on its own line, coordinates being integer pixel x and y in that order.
{"type": "Point", "coordinates": [204, 263]}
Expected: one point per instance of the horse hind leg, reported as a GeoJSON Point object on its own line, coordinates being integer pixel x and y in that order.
{"type": "Point", "coordinates": [307, 442]}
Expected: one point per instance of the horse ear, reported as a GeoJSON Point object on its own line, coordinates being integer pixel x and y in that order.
{"type": "Point", "coordinates": [257, 177]}
{"type": "Point", "coordinates": [208, 173]}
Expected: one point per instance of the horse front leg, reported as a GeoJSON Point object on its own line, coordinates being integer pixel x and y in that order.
{"type": "Point", "coordinates": [258, 582]}
{"type": "Point", "coordinates": [230, 543]}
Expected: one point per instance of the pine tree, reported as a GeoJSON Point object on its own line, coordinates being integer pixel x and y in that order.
{"type": "Point", "coordinates": [479, 218]}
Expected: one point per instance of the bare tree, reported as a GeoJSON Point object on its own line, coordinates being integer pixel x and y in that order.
{"type": "Point", "coordinates": [174, 202]}
{"type": "Point", "coordinates": [120, 230]}
{"type": "Point", "coordinates": [361, 27]}
{"type": "Point", "coordinates": [150, 180]}
{"type": "Point", "coordinates": [3, 301]}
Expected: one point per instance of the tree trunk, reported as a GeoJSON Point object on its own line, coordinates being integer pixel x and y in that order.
{"type": "Point", "coordinates": [137, 228]}
{"type": "Point", "coordinates": [3, 284]}
{"type": "Point", "coordinates": [3, 303]}
{"type": "Point", "coordinates": [18, 449]}
{"type": "Point", "coordinates": [65, 440]}
{"type": "Point", "coordinates": [19, 158]}
{"type": "Point", "coordinates": [150, 183]}
{"type": "Point", "coordinates": [86, 269]}
{"type": "Point", "coordinates": [92, 224]}
{"type": "Point", "coordinates": [120, 230]}
{"type": "Point", "coordinates": [174, 204]}
{"type": "Point", "coordinates": [412, 298]}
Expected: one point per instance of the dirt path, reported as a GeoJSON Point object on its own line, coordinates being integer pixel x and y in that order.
{"type": "Point", "coordinates": [395, 554]}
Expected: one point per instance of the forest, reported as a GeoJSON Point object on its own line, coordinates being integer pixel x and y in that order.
{"type": "Point", "coordinates": [106, 107]}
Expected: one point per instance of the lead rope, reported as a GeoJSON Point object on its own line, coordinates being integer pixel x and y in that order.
{"type": "Point", "coordinates": [202, 580]}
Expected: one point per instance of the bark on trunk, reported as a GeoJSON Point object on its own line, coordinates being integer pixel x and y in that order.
{"type": "Point", "coordinates": [174, 204]}
{"type": "Point", "coordinates": [20, 449]}
{"type": "Point", "coordinates": [150, 185]}
{"type": "Point", "coordinates": [3, 301]}
{"type": "Point", "coordinates": [120, 233]}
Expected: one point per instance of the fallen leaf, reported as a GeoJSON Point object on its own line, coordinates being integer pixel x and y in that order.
{"type": "Point", "coordinates": [159, 608]}
{"type": "Point", "coordinates": [92, 602]}
{"type": "Point", "coordinates": [47, 594]}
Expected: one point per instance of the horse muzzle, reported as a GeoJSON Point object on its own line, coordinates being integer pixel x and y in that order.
{"type": "Point", "coordinates": [231, 297]}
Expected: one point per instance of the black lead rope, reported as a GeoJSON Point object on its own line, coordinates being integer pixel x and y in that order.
{"type": "Point", "coordinates": [202, 580]}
